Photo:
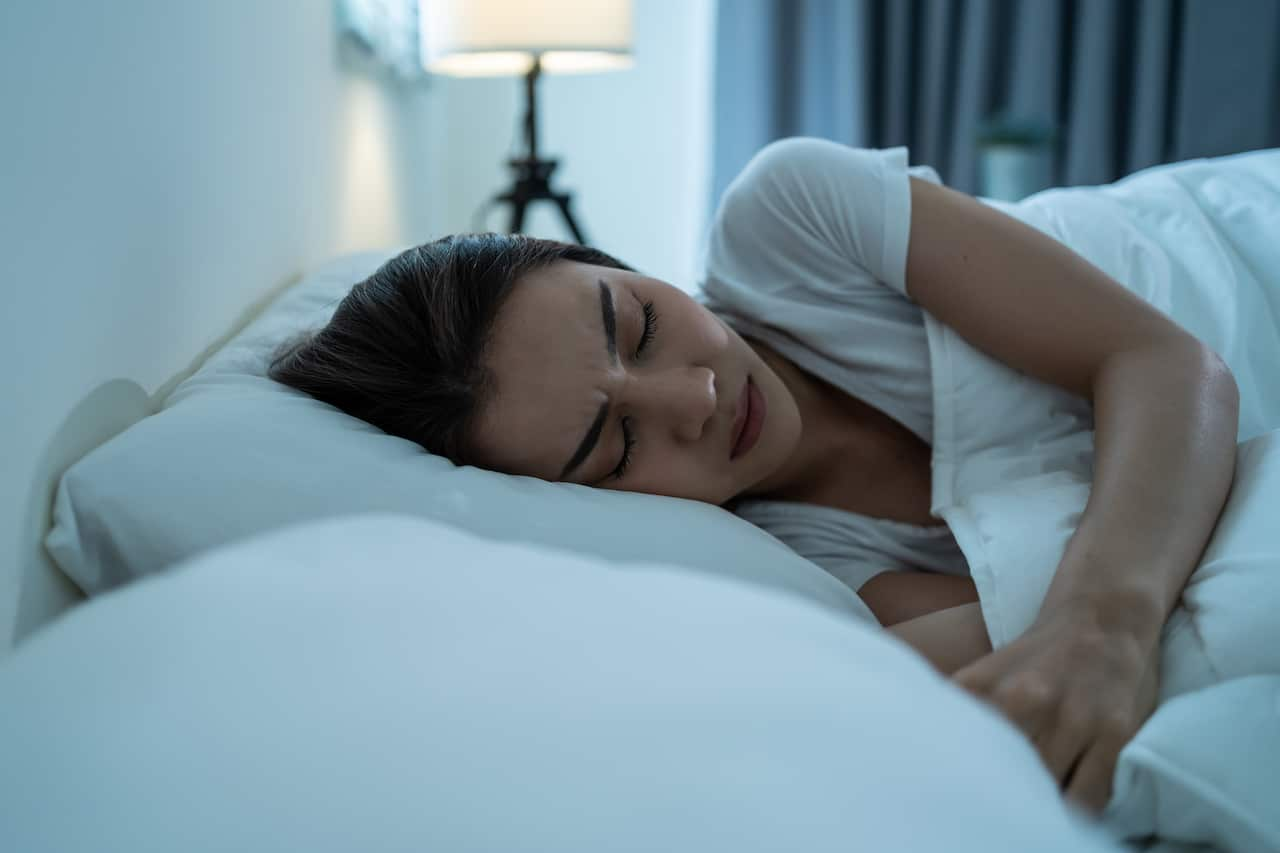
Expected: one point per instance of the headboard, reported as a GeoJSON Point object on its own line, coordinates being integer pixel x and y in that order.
{"type": "Point", "coordinates": [168, 170]}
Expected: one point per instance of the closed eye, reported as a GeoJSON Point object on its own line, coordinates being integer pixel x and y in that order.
{"type": "Point", "coordinates": [650, 326]}
{"type": "Point", "coordinates": [628, 442]}
{"type": "Point", "coordinates": [646, 338]}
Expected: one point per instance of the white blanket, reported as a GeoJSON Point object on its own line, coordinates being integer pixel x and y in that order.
{"type": "Point", "coordinates": [1013, 460]}
{"type": "Point", "coordinates": [1206, 767]}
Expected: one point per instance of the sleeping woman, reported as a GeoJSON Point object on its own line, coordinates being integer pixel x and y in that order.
{"type": "Point", "coordinates": [794, 390]}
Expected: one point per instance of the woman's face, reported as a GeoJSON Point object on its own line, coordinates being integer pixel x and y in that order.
{"type": "Point", "coordinates": [578, 379]}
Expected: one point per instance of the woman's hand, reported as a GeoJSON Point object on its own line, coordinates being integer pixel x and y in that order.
{"type": "Point", "coordinates": [1078, 690]}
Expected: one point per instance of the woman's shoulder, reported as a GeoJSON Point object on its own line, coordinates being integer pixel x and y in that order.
{"type": "Point", "coordinates": [810, 227]}
{"type": "Point", "coordinates": [791, 165]}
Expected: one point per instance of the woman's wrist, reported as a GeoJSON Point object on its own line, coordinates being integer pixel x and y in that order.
{"type": "Point", "coordinates": [1129, 612]}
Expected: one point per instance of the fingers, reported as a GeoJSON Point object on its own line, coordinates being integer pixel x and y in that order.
{"type": "Point", "coordinates": [1061, 747]}
{"type": "Point", "coordinates": [1078, 703]}
{"type": "Point", "coordinates": [1027, 699]}
{"type": "Point", "coordinates": [1090, 785]}
{"type": "Point", "coordinates": [1057, 732]}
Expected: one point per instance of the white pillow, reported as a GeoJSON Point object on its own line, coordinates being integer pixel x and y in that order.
{"type": "Point", "coordinates": [391, 684]}
{"type": "Point", "coordinates": [233, 453]}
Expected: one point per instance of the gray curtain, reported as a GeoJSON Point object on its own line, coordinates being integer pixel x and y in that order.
{"type": "Point", "coordinates": [1124, 84]}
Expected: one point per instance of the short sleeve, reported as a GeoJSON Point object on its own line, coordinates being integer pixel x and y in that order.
{"type": "Point", "coordinates": [815, 210]}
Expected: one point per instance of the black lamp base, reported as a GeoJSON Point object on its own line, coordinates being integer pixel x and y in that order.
{"type": "Point", "coordinates": [533, 183]}
{"type": "Point", "coordinates": [533, 174]}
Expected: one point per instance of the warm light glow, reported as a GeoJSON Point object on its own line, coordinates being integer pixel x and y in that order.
{"type": "Point", "coordinates": [491, 37]}
{"type": "Point", "coordinates": [510, 62]}
{"type": "Point", "coordinates": [481, 64]}
{"type": "Point", "coordinates": [579, 62]}
{"type": "Point", "coordinates": [367, 207]}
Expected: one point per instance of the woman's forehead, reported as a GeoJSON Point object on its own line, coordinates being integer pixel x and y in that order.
{"type": "Point", "coordinates": [547, 359]}
{"type": "Point", "coordinates": [551, 322]}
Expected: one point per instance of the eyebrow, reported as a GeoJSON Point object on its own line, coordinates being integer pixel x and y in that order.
{"type": "Point", "coordinates": [609, 319]}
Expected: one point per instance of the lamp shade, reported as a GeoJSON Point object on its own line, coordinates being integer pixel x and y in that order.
{"type": "Point", "coordinates": [489, 37]}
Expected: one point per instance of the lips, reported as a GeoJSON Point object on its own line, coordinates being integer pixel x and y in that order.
{"type": "Point", "coordinates": [749, 421]}
{"type": "Point", "coordinates": [740, 410]}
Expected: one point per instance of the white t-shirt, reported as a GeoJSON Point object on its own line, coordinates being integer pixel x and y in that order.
{"type": "Point", "coordinates": [807, 253]}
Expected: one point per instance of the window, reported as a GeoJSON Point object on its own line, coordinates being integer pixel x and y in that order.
{"type": "Point", "coordinates": [388, 29]}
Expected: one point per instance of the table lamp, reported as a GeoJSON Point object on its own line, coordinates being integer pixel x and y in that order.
{"type": "Point", "coordinates": [527, 37]}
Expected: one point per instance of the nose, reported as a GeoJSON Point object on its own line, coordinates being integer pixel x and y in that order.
{"type": "Point", "coordinates": [682, 397]}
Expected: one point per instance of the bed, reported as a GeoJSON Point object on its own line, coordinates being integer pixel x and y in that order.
{"type": "Point", "coordinates": [303, 628]}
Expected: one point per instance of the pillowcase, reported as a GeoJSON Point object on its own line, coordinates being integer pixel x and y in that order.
{"type": "Point", "coordinates": [389, 683]}
{"type": "Point", "coordinates": [233, 453]}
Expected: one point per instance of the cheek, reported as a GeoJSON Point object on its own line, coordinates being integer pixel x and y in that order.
{"type": "Point", "coordinates": [699, 476]}
{"type": "Point", "coordinates": [672, 472]}
{"type": "Point", "coordinates": [707, 333]}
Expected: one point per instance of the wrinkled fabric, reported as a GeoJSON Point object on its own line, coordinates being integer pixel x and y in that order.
{"type": "Point", "coordinates": [1013, 464]}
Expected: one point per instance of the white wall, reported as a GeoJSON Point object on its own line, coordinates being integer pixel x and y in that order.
{"type": "Point", "coordinates": [163, 165]}
{"type": "Point", "coordinates": [634, 145]}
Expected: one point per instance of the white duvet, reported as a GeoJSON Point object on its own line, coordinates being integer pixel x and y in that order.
{"type": "Point", "coordinates": [1013, 459]}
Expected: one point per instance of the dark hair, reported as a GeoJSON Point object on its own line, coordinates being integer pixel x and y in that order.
{"type": "Point", "coordinates": [403, 350]}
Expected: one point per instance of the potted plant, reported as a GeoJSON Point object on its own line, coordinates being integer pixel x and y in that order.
{"type": "Point", "coordinates": [1015, 156]}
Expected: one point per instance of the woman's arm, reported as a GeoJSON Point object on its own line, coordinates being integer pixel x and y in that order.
{"type": "Point", "coordinates": [949, 639]}
{"type": "Point", "coordinates": [937, 615]}
{"type": "Point", "coordinates": [898, 596]}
